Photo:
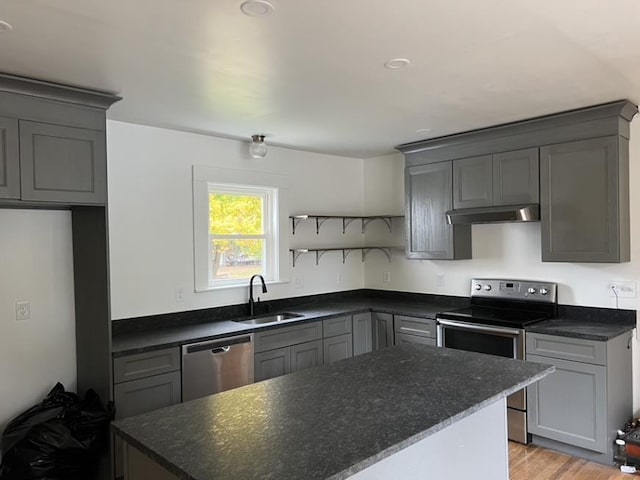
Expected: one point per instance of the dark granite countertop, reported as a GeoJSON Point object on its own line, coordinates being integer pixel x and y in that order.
{"type": "Point", "coordinates": [138, 342]}
{"type": "Point", "coordinates": [586, 329]}
{"type": "Point", "coordinates": [328, 422]}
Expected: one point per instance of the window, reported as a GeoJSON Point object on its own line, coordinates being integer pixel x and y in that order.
{"type": "Point", "coordinates": [241, 230]}
{"type": "Point", "coordinates": [239, 227]}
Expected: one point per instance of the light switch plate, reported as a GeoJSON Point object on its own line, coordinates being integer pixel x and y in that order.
{"type": "Point", "coordinates": [23, 310]}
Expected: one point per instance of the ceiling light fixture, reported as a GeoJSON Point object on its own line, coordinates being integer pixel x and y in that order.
{"type": "Point", "coordinates": [257, 148]}
{"type": "Point", "coordinates": [256, 8]}
{"type": "Point", "coordinates": [5, 27]}
{"type": "Point", "coordinates": [423, 130]}
{"type": "Point", "coordinates": [396, 63]}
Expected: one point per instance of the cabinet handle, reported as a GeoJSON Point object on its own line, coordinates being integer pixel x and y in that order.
{"type": "Point", "coordinates": [413, 330]}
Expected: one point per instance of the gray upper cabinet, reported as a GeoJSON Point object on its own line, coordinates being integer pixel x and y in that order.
{"type": "Point", "coordinates": [62, 164]}
{"type": "Point", "coordinates": [428, 191]}
{"type": "Point", "coordinates": [507, 178]}
{"type": "Point", "coordinates": [9, 159]}
{"type": "Point", "coordinates": [584, 201]}
{"type": "Point", "coordinates": [516, 177]}
{"type": "Point", "coordinates": [473, 182]}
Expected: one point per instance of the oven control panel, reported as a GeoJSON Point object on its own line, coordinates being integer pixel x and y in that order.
{"type": "Point", "coordinates": [514, 289]}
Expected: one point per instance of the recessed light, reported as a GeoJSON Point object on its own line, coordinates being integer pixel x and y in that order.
{"type": "Point", "coordinates": [423, 130]}
{"type": "Point", "coordinates": [256, 8]}
{"type": "Point", "coordinates": [5, 27]}
{"type": "Point", "coordinates": [396, 63]}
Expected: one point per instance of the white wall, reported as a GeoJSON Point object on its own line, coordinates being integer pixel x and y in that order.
{"type": "Point", "coordinates": [37, 265]}
{"type": "Point", "coordinates": [501, 250]}
{"type": "Point", "coordinates": [150, 216]}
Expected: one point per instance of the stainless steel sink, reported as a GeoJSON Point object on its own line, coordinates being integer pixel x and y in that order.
{"type": "Point", "coordinates": [271, 318]}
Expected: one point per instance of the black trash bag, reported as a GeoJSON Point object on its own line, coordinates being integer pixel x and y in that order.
{"type": "Point", "coordinates": [61, 438]}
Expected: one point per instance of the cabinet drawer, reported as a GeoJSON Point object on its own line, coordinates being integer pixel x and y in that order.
{"type": "Point", "coordinates": [336, 326]}
{"type": "Point", "coordinates": [284, 337]}
{"type": "Point", "coordinates": [424, 327]}
{"type": "Point", "coordinates": [147, 394]}
{"type": "Point", "coordinates": [404, 338]}
{"type": "Point", "coordinates": [567, 348]}
{"type": "Point", "coordinates": [145, 364]}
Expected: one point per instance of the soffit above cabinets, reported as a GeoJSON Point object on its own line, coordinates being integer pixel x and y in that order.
{"type": "Point", "coordinates": [311, 74]}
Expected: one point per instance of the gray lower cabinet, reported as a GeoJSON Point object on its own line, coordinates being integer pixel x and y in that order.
{"type": "Point", "coordinates": [414, 330]}
{"type": "Point", "coordinates": [146, 394]}
{"type": "Point", "coordinates": [273, 363]}
{"type": "Point", "coordinates": [362, 333]}
{"type": "Point", "coordinates": [306, 355]}
{"type": "Point", "coordinates": [9, 159]}
{"type": "Point", "coordinates": [584, 189]}
{"type": "Point", "coordinates": [569, 405]}
{"type": "Point", "coordinates": [382, 330]}
{"type": "Point", "coordinates": [281, 351]}
{"type": "Point", "coordinates": [586, 399]}
{"type": "Point", "coordinates": [337, 348]}
{"type": "Point", "coordinates": [62, 164]}
{"type": "Point", "coordinates": [428, 192]}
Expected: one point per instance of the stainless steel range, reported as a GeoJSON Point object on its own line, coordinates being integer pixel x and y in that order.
{"type": "Point", "coordinates": [494, 324]}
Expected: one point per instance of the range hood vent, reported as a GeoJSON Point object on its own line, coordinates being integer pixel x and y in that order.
{"type": "Point", "coordinates": [501, 214]}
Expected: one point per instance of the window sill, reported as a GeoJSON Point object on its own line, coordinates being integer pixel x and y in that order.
{"type": "Point", "coordinates": [246, 285]}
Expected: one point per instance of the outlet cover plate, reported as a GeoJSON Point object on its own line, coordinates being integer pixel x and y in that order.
{"type": "Point", "coordinates": [624, 289]}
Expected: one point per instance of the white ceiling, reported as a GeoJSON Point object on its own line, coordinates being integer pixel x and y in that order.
{"type": "Point", "coordinates": [311, 75]}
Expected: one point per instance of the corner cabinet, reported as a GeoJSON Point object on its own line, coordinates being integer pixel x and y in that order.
{"type": "Point", "coordinates": [585, 201]}
{"type": "Point", "coordinates": [428, 192]}
{"type": "Point", "coordinates": [586, 399]}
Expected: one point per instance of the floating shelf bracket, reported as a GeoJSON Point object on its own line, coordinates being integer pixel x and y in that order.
{"type": "Point", "coordinates": [346, 221]}
{"type": "Point", "coordinates": [319, 252]}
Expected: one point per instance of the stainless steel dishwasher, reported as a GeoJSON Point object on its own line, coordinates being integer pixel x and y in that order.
{"type": "Point", "coordinates": [217, 365]}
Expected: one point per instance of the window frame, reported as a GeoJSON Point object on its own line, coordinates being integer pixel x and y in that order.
{"type": "Point", "coordinates": [269, 197]}
{"type": "Point", "coordinates": [202, 176]}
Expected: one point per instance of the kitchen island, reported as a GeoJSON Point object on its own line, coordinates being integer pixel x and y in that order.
{"type": "Point", "coordinates": [394, 413]}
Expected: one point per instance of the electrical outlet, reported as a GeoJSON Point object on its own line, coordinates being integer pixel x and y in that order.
{"type": "Point", "coordinates": [339, 278]}
{"type": "Point", "coordinates": [622, 289]}
{"type": "Point", "coordinates": [298, 283]}
{"type": "Point", "coordinates": [23, 310]}
{"type": "Point", "coordinates": [386, 277]}
{"type": "Point", "coordinates": [440, 280]}
{"type": "Point", "coordinates": [179, 294]}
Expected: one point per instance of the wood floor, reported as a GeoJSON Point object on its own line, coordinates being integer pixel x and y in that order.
{"type": "Point", "coordinates": [527, 462]}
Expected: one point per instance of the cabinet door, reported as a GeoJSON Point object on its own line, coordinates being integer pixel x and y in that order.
{"type": "Point", "coordinates": [62, 164]}
{"type": "Point", "coordinates": [428, 192]}
{"type": "Point", "coordinates": [306, 355]}
{"type": "Point", "coordinates": [9, 160]}
{"type": "Point", "coordinates": [580, 200]}
{"type": "Point", "coordinates": [338, 348]}
{"type": "Point", "coordinates": [570, 404]}
{"type": "Point", "coordinates": [473, 182]}
{"type": "Point", "coordinates": [146, 394]}
{"type": "Point", "coordinates": [405, 338]}
{"type": "Point", "coordinates": [516, 177]}
{"type": "Point", "coordinates": [273, 363]}
{"type": "Point", "coordinates": [362, 333]}
{"type": "Point", "coordinates": [383, 330]}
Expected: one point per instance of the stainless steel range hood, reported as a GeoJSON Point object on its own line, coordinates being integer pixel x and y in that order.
{"type": "Point", "coordinates": [499, 214]}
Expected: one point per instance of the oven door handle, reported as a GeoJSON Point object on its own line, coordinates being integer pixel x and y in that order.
{"type": "Point", "coordinates": [480, 328]}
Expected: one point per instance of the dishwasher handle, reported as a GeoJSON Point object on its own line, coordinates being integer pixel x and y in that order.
{"type": "Point", "coordinates": [222, 345]}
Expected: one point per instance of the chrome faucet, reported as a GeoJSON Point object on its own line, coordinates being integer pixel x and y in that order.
{"type": "Point", "coordinates": [251, 301]}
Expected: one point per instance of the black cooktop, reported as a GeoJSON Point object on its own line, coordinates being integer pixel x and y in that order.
{"type": "Point", "coordinates": [503, 317]}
